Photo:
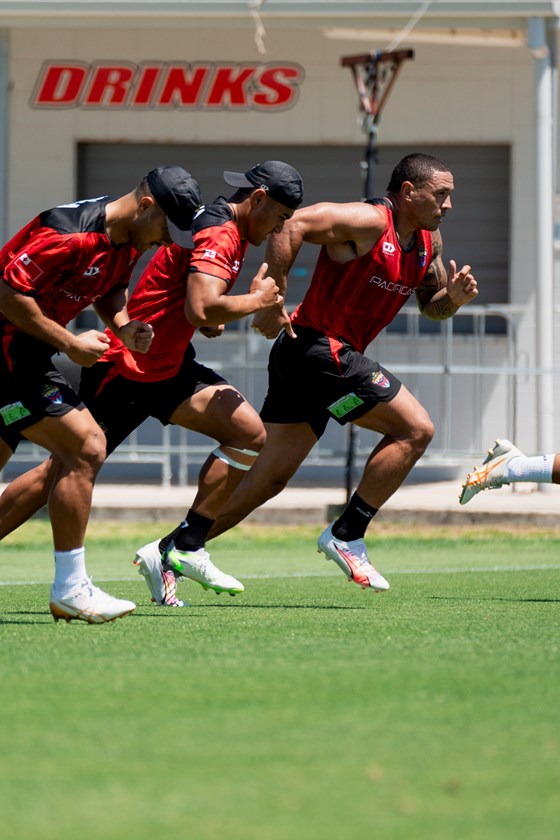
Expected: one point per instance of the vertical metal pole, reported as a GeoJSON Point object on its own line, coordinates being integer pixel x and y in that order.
{"type": "Point", "coordinates": [4, 122]}
{"type": "Point", "coordinates": [350, 457]}
{"type": "Point", "coordinates": [544, 239]}
{"type": "Point", "coordinates": [551, 38]}
{"type": "Point", "coordinates": [371, 156]}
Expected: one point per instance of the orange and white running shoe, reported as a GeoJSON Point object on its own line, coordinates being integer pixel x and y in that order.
{"type": "Point", "coordinates": [492, 473]}
{"type": "Point", "coordinates": [352, 558]}
{"type": "Point", "coordinates": [87, 602]}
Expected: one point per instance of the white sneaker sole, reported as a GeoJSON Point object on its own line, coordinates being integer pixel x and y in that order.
{"type": "Point", "coordinates": [234, 589]}
{"type": "Point", "coordinates": [59, 610]}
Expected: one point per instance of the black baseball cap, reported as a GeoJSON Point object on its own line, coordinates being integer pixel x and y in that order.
{"type": "Point", "coordinates": [178, 195]}
{"type": "Point", "coordinates": [282, 182]}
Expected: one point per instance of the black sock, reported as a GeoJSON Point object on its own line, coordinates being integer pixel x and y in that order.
{"type": "Point", "coordinates": [190, 534]}
{"type": "Point", "coordinates": [354, 519]}
{"type": "Point", "coordinates": [164, 542]}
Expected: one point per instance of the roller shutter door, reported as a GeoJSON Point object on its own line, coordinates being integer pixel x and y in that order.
{"type": "Point", "coordinates": [476, 231]}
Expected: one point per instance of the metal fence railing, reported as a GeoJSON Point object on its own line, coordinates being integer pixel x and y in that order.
{"type": "Point", "coordinates": [466, 371]}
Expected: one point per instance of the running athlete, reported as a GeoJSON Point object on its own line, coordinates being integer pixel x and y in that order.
{"type": "Point", "coordinates": [374, 256]}
{"type": "Point", "coordinates": [178, 292]}
{"type": "Point", "coordinates": [64, 260]}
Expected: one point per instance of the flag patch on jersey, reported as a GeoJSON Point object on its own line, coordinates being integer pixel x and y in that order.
{"type": "Point", "coordinates": [29, 269]}
{"type": "Point", "coordinates": [380, 380]}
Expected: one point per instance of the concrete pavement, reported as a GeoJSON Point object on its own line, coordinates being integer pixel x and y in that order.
{"type": "Point", "coordinates": [432, 503]}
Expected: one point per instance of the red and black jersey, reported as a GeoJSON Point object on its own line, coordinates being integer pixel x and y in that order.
{"type": "Point", "coordinates": [354, 301]}
{"type": "Point", "coordinates": [159, 298]}
{"type": "Point", "coordinates": [65, 260]}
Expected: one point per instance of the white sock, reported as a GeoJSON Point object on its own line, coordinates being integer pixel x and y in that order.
{"type": "Point", "coordinates": [69, 569]}
{"type": "Point", "coordinates": [538, 469]}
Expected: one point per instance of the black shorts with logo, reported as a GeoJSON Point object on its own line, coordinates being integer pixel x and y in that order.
{"type": "Point", "coordinates": [120, 405]}
{"type": "Point", "coordinates": [31, 387]}
{"type": "Point", "coordinates": [312, 379]}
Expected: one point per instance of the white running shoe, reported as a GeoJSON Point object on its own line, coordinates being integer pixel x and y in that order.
{"type": "Point", "coordinates": [161, 583]}
{"type": "Point", "coordinates": [197, 566]}
{"type": "Point", "coordinates": [492, 472]}
{"type": "Point", "coordinates": [88, 603]}
{"type": "Point", "coordinates": [353, 560]}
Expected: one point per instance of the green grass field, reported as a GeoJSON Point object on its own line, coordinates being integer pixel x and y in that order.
{"type": "Point", "coordinates": [303, 709]}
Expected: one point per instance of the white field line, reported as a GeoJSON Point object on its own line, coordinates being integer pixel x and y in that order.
{"type": "Point", "coordinates": [444, 571]}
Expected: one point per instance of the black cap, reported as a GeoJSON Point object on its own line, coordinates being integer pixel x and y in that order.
{"type": "Point", "coordinates": [178, 195]}
{"type": "Point", "coordinates": [282, 182]}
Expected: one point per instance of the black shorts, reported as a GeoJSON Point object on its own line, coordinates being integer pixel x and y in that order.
{"type": "Point", "coordinates": [32, 387]}
{"type": "Point", "coordinates": [312, 379]}
{"type": "Point", "coordinates": [120, 405]}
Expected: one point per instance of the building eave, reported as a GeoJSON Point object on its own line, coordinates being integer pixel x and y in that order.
{"type": "Point", "coordinates": [511, 14]}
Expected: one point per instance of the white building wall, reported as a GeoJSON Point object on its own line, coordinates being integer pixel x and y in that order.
{"type": "Point", "coordinates": [447, 94]}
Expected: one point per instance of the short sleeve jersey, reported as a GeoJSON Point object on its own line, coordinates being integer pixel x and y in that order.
{"type": "Point", "coordinates": [354, 301]}
{"type": "Point", "coordinates": [64, 259]}
{"type": "Point", "coordinates": [159, 297]}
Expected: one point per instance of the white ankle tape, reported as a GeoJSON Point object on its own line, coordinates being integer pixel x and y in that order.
{"type": "Point", "coordinates": [249, 456]}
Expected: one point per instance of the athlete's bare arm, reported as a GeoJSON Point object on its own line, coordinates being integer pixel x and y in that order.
{"type": "Point", "coordinates": [111, 308]}
{"type": "Point", "coordinates": [442, 293]}
{"type": "Point", "coordinates": [207, 303]}
{"type": "Point", "coordinates": [348, 231]}
{"type": "Point", "coordinates": [26, 314]}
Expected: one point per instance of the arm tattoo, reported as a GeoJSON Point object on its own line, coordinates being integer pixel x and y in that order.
{"type": "Point", "coordinates": [439, 310]}
{"type": "Point", "coordinates": [431, 295]}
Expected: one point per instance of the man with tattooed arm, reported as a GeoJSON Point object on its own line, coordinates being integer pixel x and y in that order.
{"type": "Point", "coordinates": [374, 256]}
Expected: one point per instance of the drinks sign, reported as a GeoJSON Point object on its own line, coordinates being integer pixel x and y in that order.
{"type": "Point", "coordinates": [175, 85]}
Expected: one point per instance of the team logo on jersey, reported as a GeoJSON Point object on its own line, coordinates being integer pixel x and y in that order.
{"type": "Point", "coordinates": [92, 271]}
{"type": "Point", "coordinates": [211, 255]}
{"type": "Point", "coordinates": [388, 248]}
{"type": "Point", "coordinates": [422, 254]}
{"type": "Point", "coordinates": [29, 269]}
{"type": "Point", "coordinates": [389, 286]}
{"type": "Point", "coordinates": [52, 394]}
{"type": "Point", "coordinates": [79, 298]}
{"type": "Point", "coordinates": [380, 380]}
